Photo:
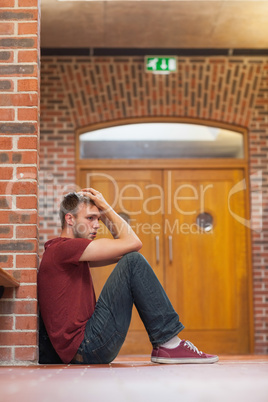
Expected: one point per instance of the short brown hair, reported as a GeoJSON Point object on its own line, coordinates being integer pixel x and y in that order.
{"type": "Point", "coordinates": [70, 204]}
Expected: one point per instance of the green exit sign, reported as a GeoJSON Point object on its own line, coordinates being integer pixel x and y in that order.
{"type": "Point", "coordinates": [160, 65]}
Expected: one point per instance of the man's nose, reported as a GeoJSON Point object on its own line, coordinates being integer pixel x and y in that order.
{"type": "Point", "coordinates": [96, 224]}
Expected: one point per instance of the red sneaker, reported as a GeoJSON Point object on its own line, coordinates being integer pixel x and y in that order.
{"type": "Point", "coordinates": [186, 352]}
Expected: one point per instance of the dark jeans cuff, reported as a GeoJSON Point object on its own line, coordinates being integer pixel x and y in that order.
{"type": "Point", "coordinates": [166, 337]}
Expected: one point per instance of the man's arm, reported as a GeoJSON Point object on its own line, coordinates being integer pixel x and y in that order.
{"type": "Point", "coordinates": [125, 239]}
{"type": "Point", "coordinates": [104, 263]}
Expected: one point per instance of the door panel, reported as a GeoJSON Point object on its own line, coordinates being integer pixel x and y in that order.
{"type": "Point", "coordinates": [207, 280]}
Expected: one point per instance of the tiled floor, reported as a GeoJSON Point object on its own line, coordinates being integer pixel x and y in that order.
{"type": "Point", "coordinates": [134, 378]}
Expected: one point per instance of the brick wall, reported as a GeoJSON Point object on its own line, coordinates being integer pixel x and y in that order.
{"type": "Point", "coordinates": [259, 163]}
{"type": "Point", "coordinates": [78, 91]}
{"type": "Point", "coordinates": [19, 137]}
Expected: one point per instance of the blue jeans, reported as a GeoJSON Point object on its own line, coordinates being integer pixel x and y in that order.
{"type": "Point", "coordinates": [131, 282]}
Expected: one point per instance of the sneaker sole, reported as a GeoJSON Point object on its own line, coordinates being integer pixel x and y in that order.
{"type": "Point", "coordinates": [164, 360]}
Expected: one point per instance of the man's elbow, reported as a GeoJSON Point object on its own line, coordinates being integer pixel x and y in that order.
{"type": "Point", "coordinates": [138, 245]}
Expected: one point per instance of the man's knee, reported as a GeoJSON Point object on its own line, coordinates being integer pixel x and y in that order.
{"type": "Point", "coordinates": [130, 262]}
{"type": "Point", "coordinates": [135, 259]}
{"type": "Point", "coordinates": [135, 256]}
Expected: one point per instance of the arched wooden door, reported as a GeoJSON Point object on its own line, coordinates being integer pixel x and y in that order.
{"type": "Point", "coordinates": [204, 269]}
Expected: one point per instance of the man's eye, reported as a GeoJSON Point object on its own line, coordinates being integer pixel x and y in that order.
{"type": "Point", "coordinates": [90, 218]}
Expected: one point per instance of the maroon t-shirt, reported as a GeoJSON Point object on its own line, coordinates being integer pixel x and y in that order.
{"type": "Point", "coordinates": [65, 293]}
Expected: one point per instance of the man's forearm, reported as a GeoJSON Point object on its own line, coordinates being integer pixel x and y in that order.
{"type": "Point", "coordinates": [118, 227]}
{"type": "Point", "coordinates": [103, 263]}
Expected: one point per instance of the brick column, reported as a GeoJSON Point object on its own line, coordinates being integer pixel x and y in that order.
{"type": "Point", "coordinates": [19, 138]}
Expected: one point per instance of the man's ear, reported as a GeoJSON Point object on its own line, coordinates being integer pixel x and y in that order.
{"type": "Point", "coordinates": [69, 219]}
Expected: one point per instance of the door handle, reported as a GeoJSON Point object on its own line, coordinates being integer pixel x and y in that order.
{"type": "Point", "coordinates": [170, 249]}
{"type": "Point", "coordinates": [157, 253]}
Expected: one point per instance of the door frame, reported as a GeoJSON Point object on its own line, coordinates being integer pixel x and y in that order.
{"type": "Point", "coordinates": [180, 164]}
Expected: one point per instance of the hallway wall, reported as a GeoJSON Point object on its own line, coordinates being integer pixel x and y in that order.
{"type": "Point", "coordinates": [19, 145]}
{"type": "Point", "coordinates": [78, 91]}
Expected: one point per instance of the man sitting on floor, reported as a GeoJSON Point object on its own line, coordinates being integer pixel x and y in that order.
{"type": "Point", "coordinates": [83, 331]}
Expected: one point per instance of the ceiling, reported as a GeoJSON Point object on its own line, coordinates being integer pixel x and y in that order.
{"type": "Point", "coordinates": [154, 24]}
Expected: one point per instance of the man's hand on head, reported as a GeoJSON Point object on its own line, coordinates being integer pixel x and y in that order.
{"type": "Point", "coordinates": [96, 197]}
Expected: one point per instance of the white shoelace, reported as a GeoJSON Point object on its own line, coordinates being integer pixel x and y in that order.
{"type": "Point", "coordinates": [192, 347]}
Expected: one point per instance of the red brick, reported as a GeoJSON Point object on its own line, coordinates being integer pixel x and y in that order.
{"type": "Point", "coordinates": [28, 3]}
{"type": "Point", "coordinates": [25, 275]}
{"type": "Point", "coordinates": [27, 56]}
{"type": "Point", "coordinates": [27, 28]}
{"type": "Point", "coordinates": [27, 85]}
{"type": "Point", "coordinates": [6, 261]}
{"type": "Point", "coordinates": [26, 202]}
{"type": "Point", "coordinates": [6, 85]}
{"type": "Point", "coordinates": [18, 100]}
{"type": "Point", "coordinates": [8, 293]}
{"type": "Point", "coordinates": [6, 143]}
{"type": "Point", "coordinates": [19, 128]}
{"type": "Point", "coordinates": [29, 114]}
{"type": "Point", "coordinates": [27, 142]}
{"type": "Point", "coordinates": [6, 202]}
{"type": "Point", "coordinates": [3, 187]}
{"type": "Point", "coordinates": [7, 307]}
{"type": "Point", "coordinates": [29, 14]}
{"type": "Point", "coordinates": [9, 59]}
{"type": "Point", "coordinates": [21, 42]}
{"type": "Point", "coordinates": [27, 173]}
{"type": "Point", "coordinates": [20, 187]}
{"type": "Point", "coordinates": [25, 307]}
{"type": "Point", "coordinates": [6, 28]}
{"type": "Point", "coordinates": [27, 261]}
{"type": "Point", "coordinates": [7, 114]}
{"type": "Point", "coordinates": [6, 231]}
{"type": "Point", "coordinates": [26, 354]}
{"type": "Point", "coordinates": [7, 3]}
{"type": "Point", "coordinates": [17, 338]}
{"type": "Point", "coordinates": [15, 217]}
{"type": "Point", "coordinates": [5, 354]}
{"type": "Point", "coordinates": [6, 173]}
{"type": "Point", "coordinates": [6, 323]}
{"type": "Point", "coordinates": [23, 157]}
{"type": "Point", "coordinates": [26, 292]}
{"type": "Point", "coordinates": [26, 232]}
{"type": "Point", "coordinates": [26, 322]}
{"type": "Point", "coordinates": [19, 70]}
{"type": "Point", "coordinates": [18, 246]}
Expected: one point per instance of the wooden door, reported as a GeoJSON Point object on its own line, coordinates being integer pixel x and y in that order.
{"type": "Point", "coordinates": [206, 272]}
{"type": "Point", "coordinates": [138, 196]}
